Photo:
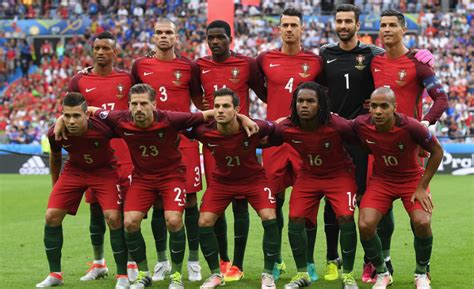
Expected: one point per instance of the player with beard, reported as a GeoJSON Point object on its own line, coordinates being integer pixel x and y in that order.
{"type": "Point", "coordinates": [176, 79]}
{"type": "Point", "coordinates": [348, 76]}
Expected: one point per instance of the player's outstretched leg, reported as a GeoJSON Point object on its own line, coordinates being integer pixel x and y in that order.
{"type": "Point", "coordinates": [241, 233]}
{"type": "Point", "coordinates": [137, 248]}
{"type": "Point", "coordinates": [331, 229]}
{"type": "Point", "coordinates": [191, 218]}
{"type": "Point", "coordinates": [385, 230]}
{"type": "Point", "coordinates": [348, 249]}
{"type": "Point", "coordinates": [53, 244]}
{"type": "Point", "coordinates": [368, 220]}
{"type": "Point", "coordinates": [210, 249]}
{"type": "Point", "coordinates": [160, 234]}
{"type": "Point", "coordinates": [280, 266]}
{"type": "Point", "coordinates": [220, 229]}
{"type": "Point", "coordinates": [174, 221]}
{"type": "Point", "coordinates": [421, 222]}
{"type": "Point", "coordinates": [98, 268]}
{"type": "Point", "coordinates": [298, 242]}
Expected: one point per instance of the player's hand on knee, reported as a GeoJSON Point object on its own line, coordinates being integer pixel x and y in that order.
{"type": "Point", "coordinates": [424, 198]}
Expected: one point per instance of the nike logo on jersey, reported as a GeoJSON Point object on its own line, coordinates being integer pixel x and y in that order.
{"type": "Point", "coordinates": [205, 71]}
{"type": "Point", "coordinates": [377, 70]}
{"type": "Point", "coordinates": [147, 73]}
{"type": "Point", "coordinates": [90, 89]}
{"type": "Point", "coordinates": [274, 65]}
{"type": "Point", "coordinates": [296, 141]}
{"type": "Point", "coordinates": [128, 133]}
{"type": "Point", "coordinates": [212, 145]}
{"type": "Point", "coordinates": [369, 141]}
{"type": "Point", "coordinates": [332, 60]}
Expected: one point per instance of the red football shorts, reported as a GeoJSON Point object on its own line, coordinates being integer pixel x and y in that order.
{"type": "Point", "coordinates": [125, 178]}
{"type": "Point", "coordinates": [307, 192]}
{"type": "Point", "coordinates": [281, 164]}
{"type": "Point", "coordinates": [68, 190]}
{"type": "Point", "coordinates": [220, 195]}
{"type": "Point", "coordinates": [380, 195]}
{"type": "Point", "coordinates": [143, 193]}
{"type": "Point", "coordinates": [192, 161]}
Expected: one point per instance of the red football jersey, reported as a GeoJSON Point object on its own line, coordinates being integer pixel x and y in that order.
{"type": "Point", "coordinates": [321, 150]}
{"type": "Point", "coordinates": [395, 151]}
{"type": "Point", "coordinates": [235, 155]}
{"type": "Point", "coordinates": [174, 81]}
{"type": "Point", "coordinates": [154, 149]}
{"type": "Point", "coordinates": [283, 73]}
{"type": "Point", "coordinates": [89, 151]}
{"type": "Point", "coordinates": [108, 92]}
{"type": "Point", "coordinates": [238, 72]}
{"type": "Point", "coordinates": [408, 78]}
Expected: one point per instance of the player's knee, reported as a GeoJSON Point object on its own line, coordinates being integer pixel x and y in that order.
{"type": "Point", "coordinates": [421, 222]}
{"type": "Point", "coordinates": [174, 223]}
{"type": "Point", "coordinates": [205, 222]}
{"type": "Point", "coordinates": [267, 214]}
{"type": "Point", "coordinates": [345, 219]}
{"type": "Point", "coordinates": [131, 224]}
{"type": "Point", "coordinates": [53, 218]}
{"type": "Point", "coordinates": [114, 220]}
{"type": "Point", "coordinates": [367, 227]}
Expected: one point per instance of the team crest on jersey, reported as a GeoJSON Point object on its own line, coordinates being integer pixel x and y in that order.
{"type": "Point", "coordinates": [360, 62]}
{"type": "Point", "coordinates": [120, 89]}
{"type": "Point", "coordinates": [103, 114]}
{"type": "Point", "coordinates": [401, 146]}
{"type": "Point", "coordinates": [235, 72]}
{"type": "Point", "coordinates": [161, 135]}
{"type": "Point", "coordinates": [177, 77]}
{"type": "Point", "coordinates": [305, 69]}
{"type": "Point", "coordinates": [96, 144]}
{"type": "Point", "coordinates": [246, 145]}
{"type": "Point", "coordinates": [327, 145]}
{"type": "Point", "coordinates": [402, 75]}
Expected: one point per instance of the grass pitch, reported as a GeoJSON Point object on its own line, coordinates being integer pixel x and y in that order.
{"type": "Point", "coordinates": [23, 262]}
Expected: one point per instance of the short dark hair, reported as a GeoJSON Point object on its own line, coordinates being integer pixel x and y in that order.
{"type": "Point", "coordinates": [74, 99]}
{"type": "Point", "coordinates": [220, 24]}
{"type": "Point", "coordinates": [228, 92]}
{"type": "Point", "coordinates": [106, 35]}
{"type": "Point", "coordinates": [349, 8]}
{"type": "Point", "coordinates": [141, 88]}
{"type": "Point", "coordinates": [398, 14]}
{"type": "Point", "coordinates": [324, 114]}
{"type": "Point", "coordinates": [292, 12]}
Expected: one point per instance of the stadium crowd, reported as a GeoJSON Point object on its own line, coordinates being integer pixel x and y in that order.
{"type": "Point", "coordinates": [28, 104]}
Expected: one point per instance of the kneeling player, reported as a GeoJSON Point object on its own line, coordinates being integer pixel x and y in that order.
{"type": "Point", "coordinates": [91, 165]}
{"type": "Point", "coordinates": [237, 173]}
{"type": "Point", "coordinates": [327, 170]}
{"type": "Point", "coordinates": [394, 140]}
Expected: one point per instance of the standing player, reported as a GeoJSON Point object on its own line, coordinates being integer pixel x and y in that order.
{"type": "Point", "coordinates": [176, 79]}
{"type": "Point", "coordinates": [227, 69]}
{"type": "Point", "coordinates": [408, 78]}
{"type": "Point", "coordinates": [284, 69]}
{"type": "Point", "coordinates": [394, 140]}
{"type": "Point", "coordinates": [237, 173]}
{"type": "Point", "coordinates": [327, 170]}
{"type": "Point", "coordinates": [90, 165]}
{"type": "Point", "coordinates": [348, 76]}
{"type": "Point", "coordinates": [152, 138]}
{"type": "Point", "coordinates": [104, 86]}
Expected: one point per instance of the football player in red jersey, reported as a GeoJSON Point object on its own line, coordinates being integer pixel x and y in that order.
{"type": "Point", "coordinates": [176, 79]}
{"type": "Point", "coordinates": [327, 171]}
{"type": "Point", "coordinates": [104, 86]}
{"type": "Point", "coordinates": [394, 140]}
{"type": "Point", "coordinates": [227, 69]}
{"type": "Point", "coordinates": [237, 174]}
{"type": "Point", "coordinates": [398, 69]}
{"type": "Point", "coordinates": [284, 69]}
{"type": "Point", "coordinates": [91, 165]}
